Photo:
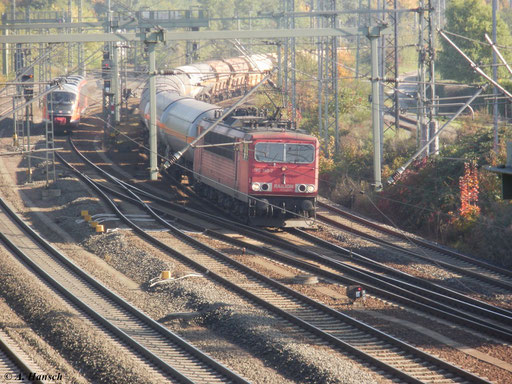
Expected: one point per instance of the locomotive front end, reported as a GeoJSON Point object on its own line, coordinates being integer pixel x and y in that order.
{"type": "Point", "coordinates": [64, 106]}
{"type": "Point", "coordinates": [283, 178]}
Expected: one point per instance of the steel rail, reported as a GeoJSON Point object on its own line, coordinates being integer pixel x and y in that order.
{"type": "Point", "coordinates": [488, 279]}
{"type": "Point", "coordinates": [305, 325]}
{"type": "Point", "coordinates": [14, 357]}
{"type": "Point", "coordinates": [417, 300]}
{"type": "Point", "coordinates": [231, 376]}
{"type": "Point", "coordinates": [420, 242]}
{"type": "Point", "coordinates": [409, 279]}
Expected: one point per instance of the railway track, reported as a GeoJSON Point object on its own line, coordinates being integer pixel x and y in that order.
{"type": "Point", "coordinates": [16, 366]}
{"type": "Point", "coordinates": [398, 287]}
{"type": "Point", "coordinates": [386, 353]}
{"type": "Point", "coordinates": [167, 356]}
{"type": "Point", "coordinates": [498, 278]}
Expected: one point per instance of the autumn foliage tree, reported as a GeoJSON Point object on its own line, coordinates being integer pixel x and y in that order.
{"type": "Point", "coordinates": [468, 184]}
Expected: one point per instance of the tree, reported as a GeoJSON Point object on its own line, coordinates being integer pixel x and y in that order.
{"type": "Point", "coordinates": [471, 19]}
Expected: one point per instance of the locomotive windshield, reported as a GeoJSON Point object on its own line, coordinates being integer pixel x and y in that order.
{"type": "Point", "coordinates": [61, 98]}
{"type": "Point", "coordinates": [284, 153]}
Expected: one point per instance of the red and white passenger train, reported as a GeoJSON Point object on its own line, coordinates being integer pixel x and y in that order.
{"type": "Point", "coordinates": [250, 165]}
{"type": "Point", "coordinates": [66, 105]}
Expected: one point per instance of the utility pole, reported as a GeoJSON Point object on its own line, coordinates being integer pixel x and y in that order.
{"type": "Point", "coordinates": [289, 74]}
{"type": "Point", "coordinates": [373, 35]}
{"type": "Point", "coordinates": [358, 39]}
{"type": "Point", "coordinates": [320, 76]}
{"type": "Point", "coordinates": [335, 75]}
{"type": "Point", "coordinates": [327, 53]}
{"type": "Point", "coordinates": [69, 20]}
{"type": "Point", "coordinates": [291, 23]}
{"type": "Point", "coordinates": [153, 160]}
{"type": "Point", "coordinates": [426, 78]}
{"type": "Point", "coordinates": [151, 40]}
{"type": "Point", "coordinates": [495, 77]}
{"type": "Point", "coordinates": [13, 18]}
{"type": "Point", "coordinates": [80, 52]}
{"type": "Point", "coordinates": [432, 122]}
{"type": "Point", "coordinates": [115, 83]}
{"type": "Point", "coordinates": [390, 70]}
{"type": "Point", "coordinates": [5, 51]}
{"type": "Point", "coordinates": [286, 48]}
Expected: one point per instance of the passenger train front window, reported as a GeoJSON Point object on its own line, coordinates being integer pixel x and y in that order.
{"type": "Point", "coordinates": [61, 98]}
{"type": "Point", "coordinates": [284, 153]}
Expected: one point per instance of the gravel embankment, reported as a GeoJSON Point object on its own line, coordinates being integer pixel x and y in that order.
{"type": "Point", "coordinates": [239, 335]}
{"type": "Point", "coordinates": [47, 358]}
{"type": "Point", "coordinates": [228, 315]}
{"type": "Point", "coordinates": [64, 328]}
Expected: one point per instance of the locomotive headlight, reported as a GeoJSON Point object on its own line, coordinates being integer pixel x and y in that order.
{"type": "Point", "coordinates": [256, 186]}
{"type": "Point", "coordinates": [310, 188]}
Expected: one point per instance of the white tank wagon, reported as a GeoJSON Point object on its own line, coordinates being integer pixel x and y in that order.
{"type": "Point", "coordinates": [178, 112]}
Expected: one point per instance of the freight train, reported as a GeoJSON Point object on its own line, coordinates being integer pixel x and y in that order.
{"type": "Point", "coordinates": [66, 105]}
{"type": "Point", "coordinates": [253, 166]}
{"type": "Point", "coordinates": [216, 80]}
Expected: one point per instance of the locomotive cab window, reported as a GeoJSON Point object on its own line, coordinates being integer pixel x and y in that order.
{"type": "Point", "coordinates": [299, 153]}
{"type": "Point", "coordinates": [284, 153]}
{"type": "Point", "coordinates": [62, 98]}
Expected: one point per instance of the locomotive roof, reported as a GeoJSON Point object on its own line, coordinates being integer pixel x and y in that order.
{"type": "Point", "coordinates": [261, 133]}
{"type": "Point", "coordinates": [281, 134]}
{"type": "Point", "coordinates": [70, 83]}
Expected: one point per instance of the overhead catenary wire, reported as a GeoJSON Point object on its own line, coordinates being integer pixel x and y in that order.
{"type": "Point", "coordinates": [392, 179]}
{"type": "Point", "coordinates": [474, 40]}
{"type": "Point", "coordinates": [500, 56]}
{"type": "Point", "coordinates": [476, 67]}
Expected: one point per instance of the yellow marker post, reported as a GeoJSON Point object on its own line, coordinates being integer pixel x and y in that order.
{"type": "Point", "coordinates": [166, 275]}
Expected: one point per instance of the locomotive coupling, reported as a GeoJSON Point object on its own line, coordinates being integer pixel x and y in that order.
{"type": "Point", "coordinates": [307, 206]}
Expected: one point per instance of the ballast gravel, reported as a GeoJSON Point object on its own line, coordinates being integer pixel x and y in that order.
{"type": "Point", "coordinates": [227, 315]}
{"type": "Point", "coordinates": [263, 353]}
{"type": "Point", "coordinates": [63, 328]}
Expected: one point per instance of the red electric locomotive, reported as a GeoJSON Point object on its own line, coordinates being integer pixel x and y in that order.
{"type": "Point", "coordinates": [267, 174]}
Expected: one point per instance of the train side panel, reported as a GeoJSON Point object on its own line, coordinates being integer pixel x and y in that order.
{"type": "Point", "coordinates": [239, 79]}
{"type": "Point", "coordinates": [218, 165]}
{"type": "Point", "coordinates": [219, 171]}
{"type": "Point", "coordinates": [222, 71]}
